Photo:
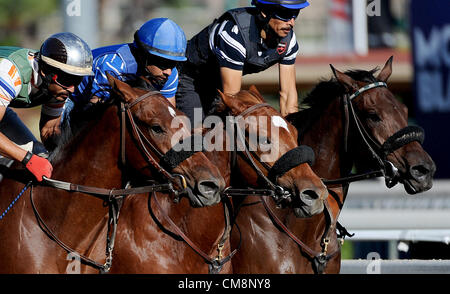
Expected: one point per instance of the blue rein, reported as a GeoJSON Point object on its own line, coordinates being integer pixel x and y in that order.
{"type": "Point", "coordinates": [15, 200]}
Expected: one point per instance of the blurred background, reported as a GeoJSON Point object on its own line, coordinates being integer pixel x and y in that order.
{"type": "Point", "coordinates": [350, 34]}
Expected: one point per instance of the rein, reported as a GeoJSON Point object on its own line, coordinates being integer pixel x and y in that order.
{"type": "Point", "coordinates": [114, 197]}
{"type": "Point", "coordinates": [319, 258]}
{"type": "Point", "coordinates": [215, 265]}
{"type": "Point", "coordinates": [275, 191]}
{"type": "Point", "coordinates": [378, 151]}
{"type": "Point", "coordinates": [399, 139]}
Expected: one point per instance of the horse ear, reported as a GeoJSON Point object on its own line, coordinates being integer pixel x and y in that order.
{"type": "Point", "coordinates": [230, 102]}
{"type": "Point", "coordinates": [219, 105]}
{"type": "Point", "coordinates": [386, 71]}
{"type": "Point", "coordinates": [349, 83]}
{"type": "Point", "coordinates": [122, 89]}
{"type": "Point", "coordinates": [255, 92]}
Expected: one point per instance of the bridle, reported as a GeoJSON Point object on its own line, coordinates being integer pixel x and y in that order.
{"type": "Point", "coordinates": [305, 155]}
{"type": "Point", "coordinates": [378, 151]}
{"type": "Point", "coordinates": [162, 167]}
{"type": "Point", "coordinates": [280, 167]}
{"type": "Point", "coordinates": [113, 198]}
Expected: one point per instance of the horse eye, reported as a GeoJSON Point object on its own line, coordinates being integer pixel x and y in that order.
{"type": "Point", "coordinates": [373, 116]}
{"type": "Point", "coordinates": [157, 129]}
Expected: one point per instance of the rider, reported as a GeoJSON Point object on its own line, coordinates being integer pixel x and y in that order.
{"type": "Point", "coordinates": [157, 48]}
{"type": "Point", "coordinates": [242, 41]}
{"type": "Point", "coordinates": [29, 78]}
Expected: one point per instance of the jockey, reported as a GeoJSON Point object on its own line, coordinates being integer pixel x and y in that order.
{"type": "Point", "coordinates": [242, 41]}
{"type": "Point", "coordinates": [29, 78]}
{"type": "Point", "coordinates": [157, 48]}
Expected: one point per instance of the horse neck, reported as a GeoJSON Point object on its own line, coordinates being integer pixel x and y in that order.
{"type": "Point", "coordinates": [221, 156]}
{"type": "Point", "coordinates": [76, 218]}
{"type": "Point", "coordinates": [326, 136]}
{"type": "Point", "coordinates": [91, 157]}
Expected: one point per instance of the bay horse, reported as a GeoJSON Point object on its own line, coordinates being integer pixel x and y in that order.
{"type": "Point", "coordinates": [49, 231]}
{"type": "Point", "coordinates": [350, 120]}
{"type": "Point", "coordinates": [160, 248]}
{"type": "Point", "coordinates": [287, 168]}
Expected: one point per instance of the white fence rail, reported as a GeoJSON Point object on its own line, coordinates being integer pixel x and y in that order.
{"type": "Point", "coordinates": [374, 212]}
{"type": "Point", "coordinates": [395, 267]}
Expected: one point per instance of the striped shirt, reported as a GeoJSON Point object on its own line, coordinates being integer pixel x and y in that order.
{"type": "Point", "coordinates": [228, 46]}
{"type": "Point", "coordinates": [11, 86]}
{"type": "Point", "coordinates": [113, 62]}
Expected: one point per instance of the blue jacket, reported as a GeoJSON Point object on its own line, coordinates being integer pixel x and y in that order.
{"type": "Point", "coordinates": [120, 60]}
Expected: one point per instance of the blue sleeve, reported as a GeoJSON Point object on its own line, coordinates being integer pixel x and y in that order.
{"type": "Point", "coordinates": [170, 87]}
{"type": "Point", "coordinates": [98, 84]}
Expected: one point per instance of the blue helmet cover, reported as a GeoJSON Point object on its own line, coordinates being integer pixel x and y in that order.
{"type": "Point", "coordinates": [162, 37]}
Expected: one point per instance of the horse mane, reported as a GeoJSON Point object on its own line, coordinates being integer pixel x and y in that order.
{"type": "Point", "coordinates": [217, 105]}
{"type": "Point", "coordinates": [322, 95]}
{"type": "Point", "coordinates": [81, 117]}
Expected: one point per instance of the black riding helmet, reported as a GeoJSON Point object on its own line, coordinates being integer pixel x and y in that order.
{"type": "Point", "coordinates": [284, 10]}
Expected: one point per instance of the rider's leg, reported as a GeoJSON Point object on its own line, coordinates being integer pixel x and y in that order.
{"type": "Point", "coordinates": [188, 99]}
{"type": "Point", "coordinates": [13, 128]}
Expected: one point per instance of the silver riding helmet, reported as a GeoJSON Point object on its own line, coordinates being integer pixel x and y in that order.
{"type": "Point", "coordinates": [69, 53]}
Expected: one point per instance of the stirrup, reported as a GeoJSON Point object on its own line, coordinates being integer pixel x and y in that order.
{"type": "Point", "coordinates": [5, 163]}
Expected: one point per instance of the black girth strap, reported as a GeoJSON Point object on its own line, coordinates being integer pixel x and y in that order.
{"type": "Point", "coordinates": [403, 137]}
{"type": "Point", "coordinates": [182, 151]}
{"type": "Point", "coordinates": [291, 159]}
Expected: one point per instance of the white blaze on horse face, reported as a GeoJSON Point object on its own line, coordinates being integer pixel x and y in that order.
{"type": "Point", "coordinates": [172, 111]}
{"type": "Point", "coordinates": [183, 124]}
{"type": "Point", "coordinates": [278, 121]}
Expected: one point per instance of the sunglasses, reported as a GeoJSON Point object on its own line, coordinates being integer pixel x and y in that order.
{"type": "Point", "coordinates": [286, 14]}
{"type": "Point", "coordinates": [160, 62]}
{"type": "Point", "coordinates": [65, 80]}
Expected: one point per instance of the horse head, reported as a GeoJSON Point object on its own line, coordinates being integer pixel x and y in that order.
{"type": "Point", "coordinates": [270, 153]}
{"type": "Point", "coordinates": [383, 124]}
{"type": "Point", "coordinates": [150, 146]}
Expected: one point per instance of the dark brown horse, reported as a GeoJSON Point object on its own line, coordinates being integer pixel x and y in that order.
{"type": "Point", "coordinates": [93, 158]}
{"type": "Point", "coordinates": [352, 119]}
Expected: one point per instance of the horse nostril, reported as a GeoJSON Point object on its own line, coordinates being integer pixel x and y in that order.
{"type": "Point", "coordinates": [208, 188]}
{"type": "Point", "coordinates": [418, 171]}
{"type": "Point", "coordinates": [308, 197]}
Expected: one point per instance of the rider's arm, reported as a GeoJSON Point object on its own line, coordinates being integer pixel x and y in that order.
{"type": "Point", "coordinates": [231, 54]}
{"type": "Point", "coordinates": [96, 88]}
{"type": "Point", "coordinates": [49, 123]}
{"type": "Point", "coordinates": [49, 126]}
{"type": "Point", "coordinates": [288, 89]}
{"type": "Point", "coordinates": [287, 80]}
{"type": "Point", "coordinates": [10, 86]}
{"type": "Point", "coordinates": [231, 80]}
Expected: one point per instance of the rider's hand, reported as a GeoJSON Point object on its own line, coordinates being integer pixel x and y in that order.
{"type": "Point", "coordinates": [38, 166]}
{"type": "Point", "coordinates": [50, 126]}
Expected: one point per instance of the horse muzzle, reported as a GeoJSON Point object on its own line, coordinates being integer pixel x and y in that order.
{"type": "Point", "coordinates": [205, 193]}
